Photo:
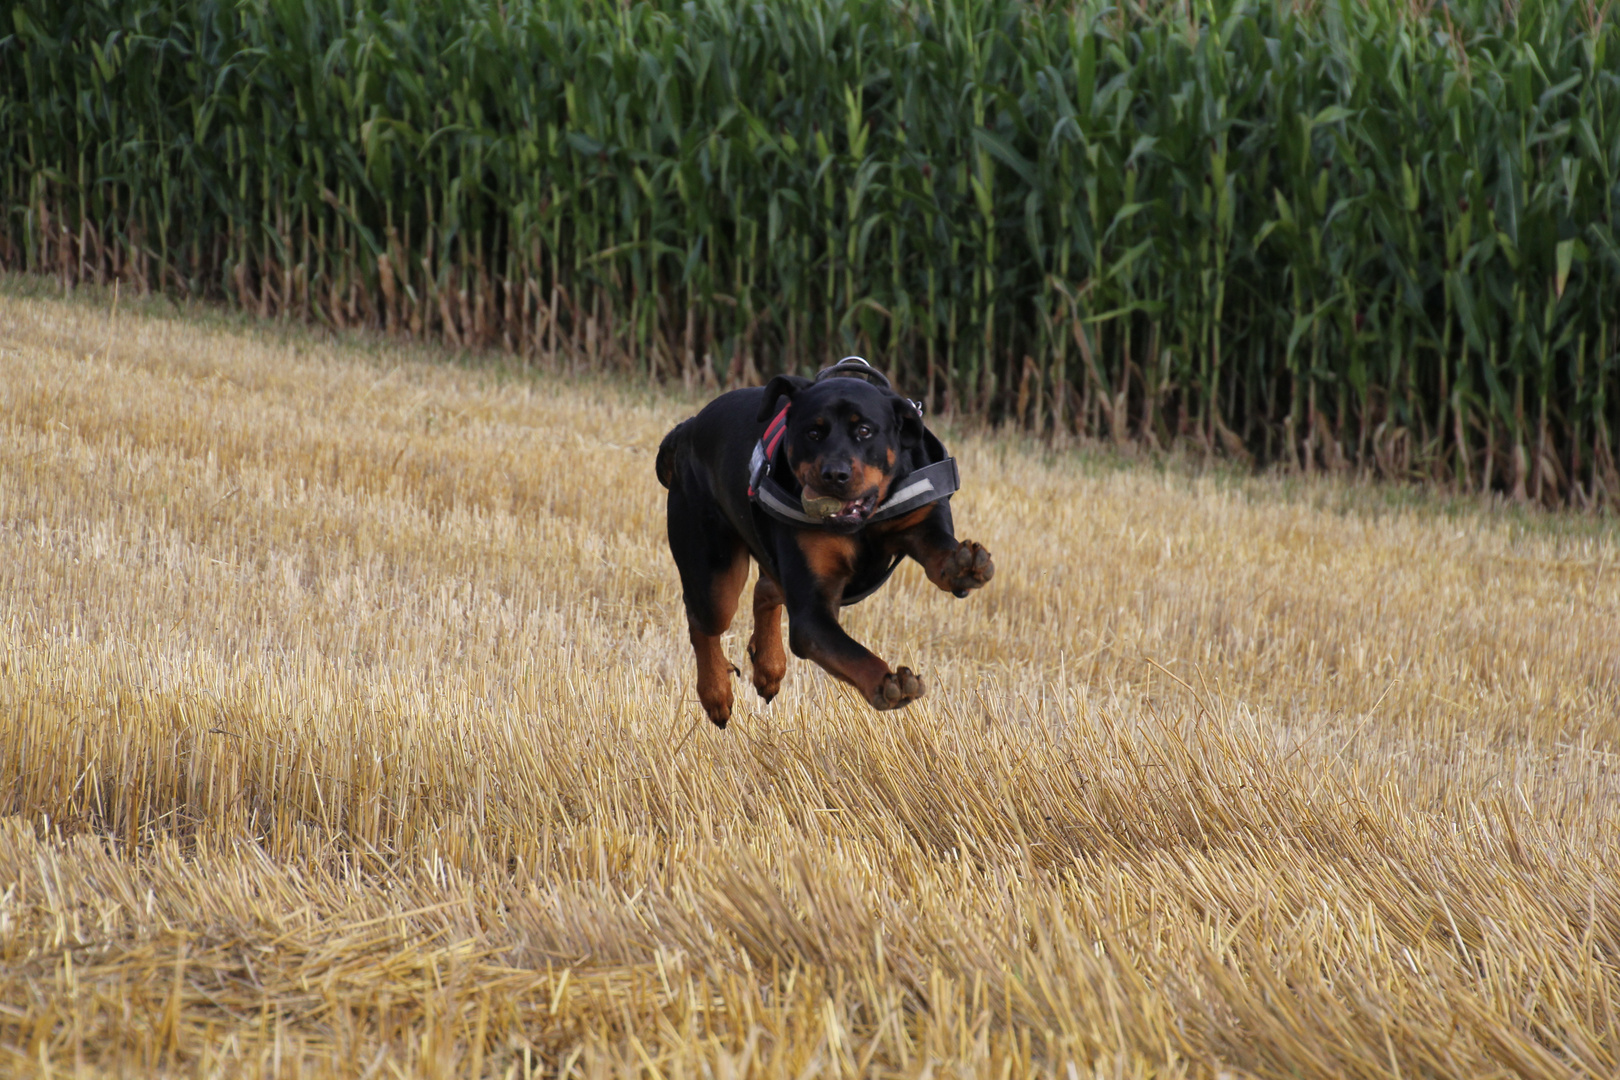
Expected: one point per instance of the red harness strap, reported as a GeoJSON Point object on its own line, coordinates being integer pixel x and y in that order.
{"type": "Point", "coordinates": [772, 438]}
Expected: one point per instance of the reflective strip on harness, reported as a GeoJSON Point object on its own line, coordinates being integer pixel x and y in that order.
{"type": "Point", "coordinates": [930, 483]}
{"type": "Point", "coordinates": [774, 501]}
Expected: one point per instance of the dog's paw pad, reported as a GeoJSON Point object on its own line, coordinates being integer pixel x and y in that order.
{"type": "Point", "coordinates": [968, 567]}
{"type": "Point", "coordinates": [898, 688]}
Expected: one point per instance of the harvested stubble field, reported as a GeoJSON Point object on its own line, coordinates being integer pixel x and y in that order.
{"type": "Point", "coordinates": [347, 729]}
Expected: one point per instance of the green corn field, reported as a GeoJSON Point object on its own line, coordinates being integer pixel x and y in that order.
{"type": "Point", "coordinates": [1376, 235]}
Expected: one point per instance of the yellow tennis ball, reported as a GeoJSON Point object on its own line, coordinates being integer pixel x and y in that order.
{"type": "Point", "coordinates": [820, 508]}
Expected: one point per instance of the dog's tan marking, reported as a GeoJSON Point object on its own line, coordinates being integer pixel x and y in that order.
{"type": "Point", "coordinates": [904, 521]}
{"type": "Point", "coordinates": [765, 651]}
{"type": "Point", "coordinates": [714, 670]}
{"type": "Point", "coordinates": [864, 477]}
{"type": "Point", "coordinates": [831, 557]}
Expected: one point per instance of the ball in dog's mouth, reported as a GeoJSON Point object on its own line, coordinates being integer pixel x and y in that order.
{"type": "Point", "coordinates": [833, 509]}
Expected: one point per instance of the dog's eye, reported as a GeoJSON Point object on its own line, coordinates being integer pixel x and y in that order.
{"type": "Point", "coordinates": [863, 432]}
{"type": "Point", "coordinates": [816, 434]}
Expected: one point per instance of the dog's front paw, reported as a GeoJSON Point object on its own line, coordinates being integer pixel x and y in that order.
{"type": "Point", "coordinates": [968, 567]}
{"type": "Point", "coordinates": [898, 689]}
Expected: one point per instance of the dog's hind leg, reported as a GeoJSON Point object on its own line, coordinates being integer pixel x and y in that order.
{"type": "Point", "coordinates": [707, 617]}
{"type": "Point", "coordinates": [765, 650]}
{"type": "Point", "coordinates": [714, 566]}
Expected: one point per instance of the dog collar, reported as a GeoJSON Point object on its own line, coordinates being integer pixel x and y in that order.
{"type": "Point", "coordinates": [929, 484]}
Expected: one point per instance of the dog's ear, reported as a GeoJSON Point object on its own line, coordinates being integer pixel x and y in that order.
{"type": "Point", "coordinates": [909, 420]}
{"type": "Point", "coordinates": [783, 386]}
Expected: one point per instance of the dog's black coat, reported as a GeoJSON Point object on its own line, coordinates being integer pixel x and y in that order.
{"type": "Point", "coordinates": [846, 439]}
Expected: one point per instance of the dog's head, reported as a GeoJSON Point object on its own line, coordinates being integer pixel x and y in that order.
{"type": "Point", "coordinates": [846, 440]}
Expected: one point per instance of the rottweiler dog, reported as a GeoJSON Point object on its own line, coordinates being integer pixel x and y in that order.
{"type": "Point", "coordinates": [827, 484]}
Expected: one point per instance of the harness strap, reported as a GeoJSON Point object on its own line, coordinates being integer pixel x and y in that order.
{"type": "Point", "coordinates": [877, 583]}
{"type": "Point", "coordinates": [760, 463]}
{"type": "Point", "coordinates": [930, 483]}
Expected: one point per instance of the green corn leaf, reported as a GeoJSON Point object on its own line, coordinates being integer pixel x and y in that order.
{"type": "Point", "coordinates": [1003, 152]}
{"type": "Point", "coordinates": [1565, 258]}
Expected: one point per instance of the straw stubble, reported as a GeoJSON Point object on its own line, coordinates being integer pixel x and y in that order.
{"type": "Point", "coordinates": [347, 728]}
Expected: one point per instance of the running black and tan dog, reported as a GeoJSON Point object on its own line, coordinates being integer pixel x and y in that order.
{"type": "Point", "coordinates": [827, 483]}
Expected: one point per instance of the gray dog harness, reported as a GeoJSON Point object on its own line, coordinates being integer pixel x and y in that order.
{"type": "Point", "coordinates": [933, 482]}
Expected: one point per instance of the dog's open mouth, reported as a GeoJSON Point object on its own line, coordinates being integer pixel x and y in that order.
{"type": "Point", "coordinates": [836, 511]}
